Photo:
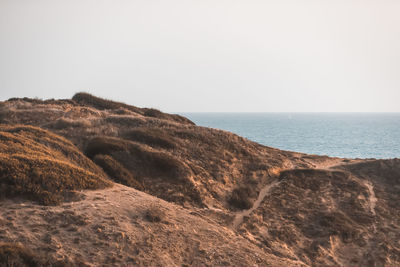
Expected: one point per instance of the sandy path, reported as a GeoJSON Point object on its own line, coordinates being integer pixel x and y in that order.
{"type": "Point", "coordinates": [241, 214]}
{"type": "Point", "coordinates": [372, 198]}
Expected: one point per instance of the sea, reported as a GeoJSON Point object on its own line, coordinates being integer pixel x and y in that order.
{"type": "Point", "coordinates": [347, 135]}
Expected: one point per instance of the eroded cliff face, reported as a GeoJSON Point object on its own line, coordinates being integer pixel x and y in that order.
{"type": "Point", "coordinates": [290, 208]}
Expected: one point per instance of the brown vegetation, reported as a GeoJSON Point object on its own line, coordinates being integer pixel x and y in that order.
{"type": "Point", "coordinates": [305, 209]}
{"type": "Point", "coordinates": [116, 171]}
{"type": "Point", "coordinates": [103, 104]}
{"type": "Point", "coordinates": [241, 198]}
{"type": "Point", "coordinates": [152, 136]}
{"type": "Point", "coordinates": [154, 214]}
{"type": "Point", "coordinates": [17, 255]}
{"type": "Point", "coordinates": [41, 166]}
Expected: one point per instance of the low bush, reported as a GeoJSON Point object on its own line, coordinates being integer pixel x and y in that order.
{"type": "Point", "coordinates": [105, 146]}
{"type": "Point", "coordinates": [17, 255]}
{"type": "Point", "coordinates": [116, 171]}
{"type": "Point", "coordinates": [157, 164]}
{"type": "Point", "coordinates": [152, 137]}
{"type": "Point", "coordinates": [241, 198]}
{"type": "Point", "coordinates": [142, 162]}
{"type": "Point", "coordinates": [154, 214]}
{"type": "Point", "coordinates": [63, 123]}
{"type": "Point", "coordinates": [102, 104]}
{"type": "Point", "coordinates": [12, 254]}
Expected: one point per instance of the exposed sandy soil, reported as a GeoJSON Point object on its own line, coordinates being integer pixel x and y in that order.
{"type": "Point", "coordinates": [208, 197]}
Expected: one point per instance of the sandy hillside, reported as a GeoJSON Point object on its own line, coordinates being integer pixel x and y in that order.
{"type": "Point", "coordinates": [122, 226]}
{"type": "Point", "coordinates": [180, 195]}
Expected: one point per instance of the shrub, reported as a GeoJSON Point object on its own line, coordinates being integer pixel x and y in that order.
{"type": "Point", "coordinates": [139, 160]}
{"type": "Point", "coordinates": [12, 254]}
{"type": "Point", "coordinates": [157, 164]}
{"type": "Point", "coordinates": [17, 255]}
{"type": "Point", "coordinates": [116, 171]}
{"type": "Point", "coordinates": [154, 214]}
{"type": "Point", "coordinates": [240, 198]}
{"type": "Point", "coordinates": [152, 137]}
{"type": "Point", "coordinates": [152, 112]}
{"type": "Point", "coordinates": [43, 167]}
{"type": "Point", "coordinates": [155, 113]}
{"type": "Point", "coordinates": [104, 145]}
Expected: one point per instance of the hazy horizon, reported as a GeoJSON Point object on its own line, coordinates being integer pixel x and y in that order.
{"type": "Point", "coordinates": [206, 56]}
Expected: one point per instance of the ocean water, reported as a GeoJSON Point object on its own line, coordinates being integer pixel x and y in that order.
{"type": "Point", "coordinates": [349, 135]}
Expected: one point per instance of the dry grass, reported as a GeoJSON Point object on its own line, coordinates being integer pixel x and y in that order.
{"type": "Point", "coordinates": [190, 165]}
{"type": "Point", "coordinates": [63, 123]}
{"type": "Point", "coordinates": [100, 103]}
{"type": "Point", "coordinates": [105, 146]}
{"type": "Point", "coordinates": [178, 162]}
{"type": "Point", "coordinates": [38, 101]}
{"type": "Point", "coordinates": [41, 166]}
{"type": "Point", "coordinates": [104, 104]}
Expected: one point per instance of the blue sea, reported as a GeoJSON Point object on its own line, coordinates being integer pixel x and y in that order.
{"type": "Point", "coordinates": [349, 135]}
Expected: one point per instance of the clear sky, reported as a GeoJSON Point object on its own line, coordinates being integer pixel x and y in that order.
{"type": "Point", "coordinates": [206, 55]}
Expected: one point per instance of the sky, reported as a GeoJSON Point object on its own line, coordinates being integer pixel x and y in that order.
{"type": "Point", "coordinates": [206, 55]}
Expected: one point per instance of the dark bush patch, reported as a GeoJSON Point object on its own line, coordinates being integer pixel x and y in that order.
{"type": "Point", "coordinates": [152, 112]}
{"type": "Point", "coordinates": [154, 214]}
{"type": "Point", "coordinates": [152, 137]}
{"type": "Point", "coordinates": [116, 171]}
{"type": "Point", "coordinates": [155, 113]}
{"type": "Point", "coordinates": [102, 104]}
{"type": "Point", "coordinates": [158, 164]}
{"type": "Point", "coordinates": [12, 254]}
{"type": "Point", "coordinates": [17, 255]}
{"type": "Point", "coordinates": [141, 162]}
{"type": "Point", "coordinates": [104, 145]}
{"type": "Point", "coordinates": [241, 198]}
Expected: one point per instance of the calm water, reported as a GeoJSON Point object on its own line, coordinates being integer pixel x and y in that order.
{"type": "Point", "coordinates": [351, 135]}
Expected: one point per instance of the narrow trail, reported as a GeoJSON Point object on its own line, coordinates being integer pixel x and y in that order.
{"type": "Point", "coordinates": [372, 198]}
{"type": "Point", "coordinates": [241, 214]}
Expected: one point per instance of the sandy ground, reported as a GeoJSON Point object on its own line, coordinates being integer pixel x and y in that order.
{"type": "Point", "coordinates": [112, 227]}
